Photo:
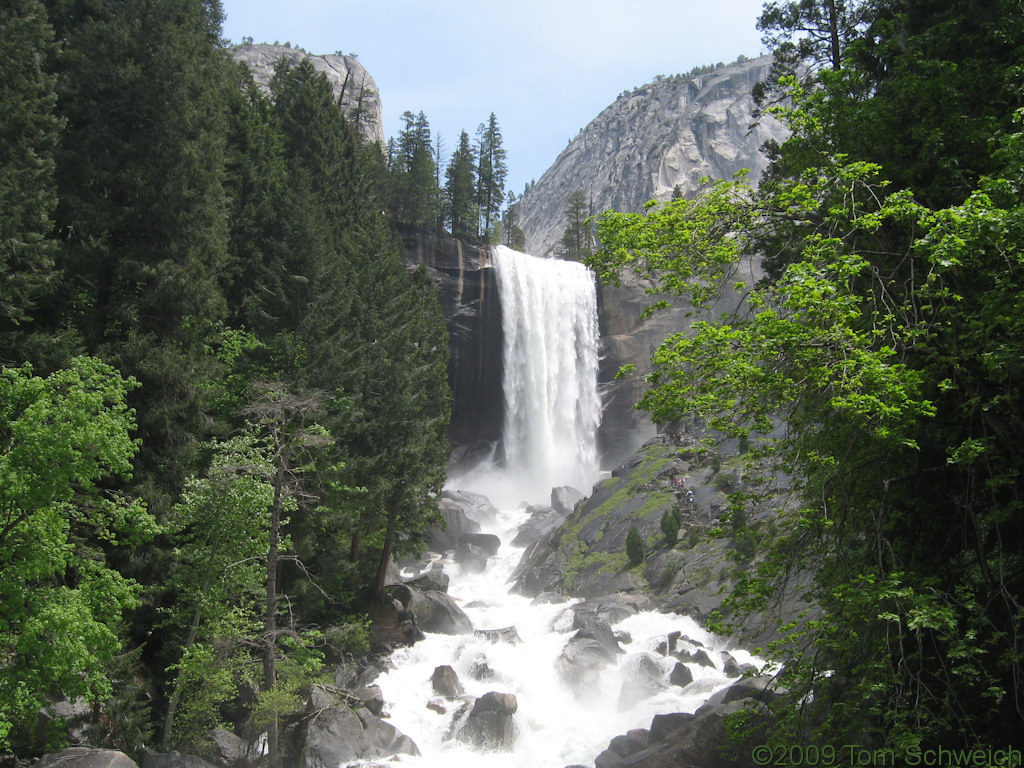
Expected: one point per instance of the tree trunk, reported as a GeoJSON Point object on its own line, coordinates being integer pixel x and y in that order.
{"type": "Point", "coordinates": [385, 558]}
{"type": "Point", "coordinates": [270, 616]}
{"type": "Point", "coordinates": [172, 704]}
{"type": "Point", "coordinates": [357, 540]}
{"type": "Point", "coordinates": [833, 28]}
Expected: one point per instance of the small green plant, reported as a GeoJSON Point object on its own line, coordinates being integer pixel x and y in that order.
{"type": "Point", "coordinates": [670, 526]}
{"type": "Point", "coordinates": [634, 546]}
{"type": "Point", "coordinates": [351, 637]}
{"type": "Point", "coordinates": [669, 571]}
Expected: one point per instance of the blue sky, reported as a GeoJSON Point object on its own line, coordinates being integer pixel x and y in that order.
{"type": "Point", "coordinates": [545, 68]}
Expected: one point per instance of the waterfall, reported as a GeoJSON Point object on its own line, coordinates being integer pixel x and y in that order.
{"type": "Point", "coordinates": [552, 406]}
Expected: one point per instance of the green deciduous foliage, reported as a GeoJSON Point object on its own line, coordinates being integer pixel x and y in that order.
{"type": "Point", "coordinates": [232, 540]}
{"type": "Point", "coordinates": [62, 438]}
{"type": "Point", "coordinates": [873, 369]}
{"type": "Point", "coordinates": [220, 532]}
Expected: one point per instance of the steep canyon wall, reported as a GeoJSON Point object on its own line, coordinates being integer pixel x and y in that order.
{"type": "Point", "coordinates": [468, 289]}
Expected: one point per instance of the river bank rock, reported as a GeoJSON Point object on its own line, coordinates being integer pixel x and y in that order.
{"type": "Point", "coordinates": [172, 759]}
{"type": "Point", "coordinates": [585, 556]}
{"type": "Point", "coordinates": [86, 757]}
{"type": "Point", "coordinates": [462, 513]}
{"type": "Point", "coordinates": [476, 506]}
{"type": "Point", "coordinates": [333, 731]}
{"type": "Point", "coordinates": [564, 499]}
{"type": "Point", "coordinates": [456, 523]}
{"type": "Point", "coordinates": [433, 611]}
{"type": "Point", "coordinates": [229, 749]}
{"type": "Point", "coordinates": [542, 521]}
{"type": "Point", "coordinates": [435, 579]}
{"type": "Point", "coordinates": [697, 740]}
{"type": "Point", "coordinates": [489, 723]}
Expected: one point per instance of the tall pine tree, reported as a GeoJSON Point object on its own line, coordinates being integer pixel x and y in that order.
{"type": "Point", "coordinates": [460, 190]}
{"type": "Point", "coordinates": [490, 177]}
{"type": "Point", "coordinates": [142, 209]}
{"type": "Point", "coordinates": [29, 129]}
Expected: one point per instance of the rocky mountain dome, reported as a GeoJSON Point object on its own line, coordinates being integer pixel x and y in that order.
{"type": "Point", "coordinates": [353, 86]}
{"type": "Point", "coordinates": [671, 132]}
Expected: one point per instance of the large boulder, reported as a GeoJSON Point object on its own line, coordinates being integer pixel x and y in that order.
{"type": "Point", "coordinates": [86, 757]}
{"type": "Point", "coordinates": [644, 678]}
{"type": "Point", "coordinates": [488, 542]}
{"type": "Point", "coordinates": [445, 682]}
{"type": "Point", "coordinates": [456, 524]}
{"type": "Point", "coordinates": [600, 611]}
{"type": "Point", "coordinates": [229, 749]}
{"type": "Point", "coordinates": [476, 506]}
{"type": "Point", "coordinates": [331, 732]}
{"type": "Point", "coordinates": [471, 558]}
{"type": "Point", "coordinates": [542, 521]}
{"type": "Point", "coordinates": [564, 499]}
{"type": "Point", "coordinates": [698, 740]}
{"type": "Point", "coordinates": [587, 652]}
{"type": "Point", "coordinates": [434, 579]}
{"type": "Point", "coordinates": [173, 759]}
{"type": "Point", "coordinates": [490, 723]}
{"type": "Point", "coordinates": [434, 611]}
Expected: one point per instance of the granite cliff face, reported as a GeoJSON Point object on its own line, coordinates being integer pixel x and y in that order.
{"type": "Point", "coordinates": [352, 84]}
{"type": "Point", "coordinates": [668, 133]}
{"type": "Point", "coordinates": [468, 289]}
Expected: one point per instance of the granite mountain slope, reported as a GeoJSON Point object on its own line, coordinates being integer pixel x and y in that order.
{"type": "Point", "coordinates": [671, 132]}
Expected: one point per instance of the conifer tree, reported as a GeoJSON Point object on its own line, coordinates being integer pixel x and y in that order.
{"type": "Point", "coordinates": [577, 241]}
{"type": "Point", "coordinates": [491, 173]}
{"type": "Point", "coordinates": [512, 232]}
{"type": "Point", "coordinates": [460, 190]}
{"type": "Point", "coordinates": [415, 193]}
{"type": "Point", "coordinates": [142, 210]}
{"type": "Point", "coordinates": [29, 129]}
{"type": "Point", "coordinates": [265, 287]}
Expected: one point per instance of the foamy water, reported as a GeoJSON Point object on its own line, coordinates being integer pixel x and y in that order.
{"type": "Point", "coordinates": [555, 726]}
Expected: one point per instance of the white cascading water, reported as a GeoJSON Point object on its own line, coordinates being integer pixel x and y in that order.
{"type": "Point", "coordinates": [552, 407]}
{"type": "Point", "coordinates": [552, 415]}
